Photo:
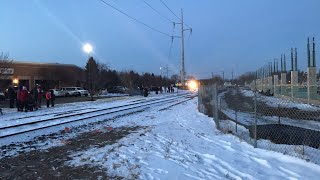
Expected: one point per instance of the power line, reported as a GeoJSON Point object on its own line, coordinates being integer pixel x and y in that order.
{"type": "Point", "coordinates": [173, 13]}
{"type": "Point", "coordinates": [135, 19]}
{"type": "Point", "coordinates": [157, 11]}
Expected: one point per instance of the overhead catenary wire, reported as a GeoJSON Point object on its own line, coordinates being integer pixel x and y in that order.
{"type": "Point", "coordinates": [172, 38]}
{"type": "Point", "coordinates": [173, 13]}
{"type": "Point", "coordinates": [170, 49]}
{"type": "Point", "coordinates": [158, 12]}
{"type": "Point", "coordinates": [135, 19]}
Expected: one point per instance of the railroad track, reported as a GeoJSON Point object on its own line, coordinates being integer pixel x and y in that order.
{"type": "Point", "coordinates": [12, 130]}
{"type": "Point", "coordinates": [81, 109]}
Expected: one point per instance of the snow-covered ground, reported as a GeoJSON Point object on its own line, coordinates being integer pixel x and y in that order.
{"type": "Point", "coordinates": [181, 143]}
{"type": "Point", "coordinates": [112, 95]}
{"type": "Point", "coordinates": [249, 118]}
{"type": "Point", "coordinates": [282, 102]}
{"type": "Point", "coordinates": [300, 151]}
{"type": "Point", "coordinates": [61, 112]}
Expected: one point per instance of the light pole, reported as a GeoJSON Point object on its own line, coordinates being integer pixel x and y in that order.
{"type": "Point", "coordinates": [87, 48]}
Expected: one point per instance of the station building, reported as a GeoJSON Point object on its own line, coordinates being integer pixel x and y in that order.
{"type": "Point", "coordinates": [48, 75]}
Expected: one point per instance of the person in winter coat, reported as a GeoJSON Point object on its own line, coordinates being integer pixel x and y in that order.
{"type": "Point", "coordinates": [34, 92]}
{"type": "Point", "coordinates": [48, 98]}
{"type": "Point", "coordinates": [145, 92]}
{"type": "Point", "coordinates": [18, 102]}
{"type": "Point", "coordinates": [39, 95]}
{"type": "Point", "coordinates": [53, 98]}
{"type": "Point", "coordinates": [12, 96]}
{"type": "Point", "coordinates": [23, 97]}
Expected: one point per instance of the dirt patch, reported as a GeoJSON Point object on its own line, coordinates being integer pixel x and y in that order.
{"type": "Point", "coordinates": [50, 163]}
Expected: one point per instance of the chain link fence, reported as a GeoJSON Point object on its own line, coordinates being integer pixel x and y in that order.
{"type": "Point", "coordinates": [273, 123]}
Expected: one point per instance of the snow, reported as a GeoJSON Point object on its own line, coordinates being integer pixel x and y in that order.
{"type": "Point", "coordinates": [177, 143]}
{"type": "Point", "coordinates": [62, 110]}
{"type": "Point", "coordinates": [113, 95]}
{"type": "Point", "coordinates": [249, 118]}
{"type": "Point", "coordinates": [183, 144]}
{"type": "Point", "coordinates": [282, 102]}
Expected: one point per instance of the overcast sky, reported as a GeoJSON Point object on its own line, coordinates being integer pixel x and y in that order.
{"type": "Point", "coordinates": [239, 35]}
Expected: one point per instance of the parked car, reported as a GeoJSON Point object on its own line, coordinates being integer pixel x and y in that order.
{"type": "Point", "coordinates": [2, 96]}
{"type": "Point", "coordinates": [82, 91]}
{"type": "Point", "coordinates": [58, 92]}
{"type": "Point", "coordinates": [70, 91]}
{"type": "Point", "coordinates": [104, 92]}
{"type": "Point", "coordinates": [117, 89]}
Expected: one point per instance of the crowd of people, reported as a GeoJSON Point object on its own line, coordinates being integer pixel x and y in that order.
{"type": "Point", "coordinates": [29, 100]}
{"type": "Point", "coordinates": [147, 90]}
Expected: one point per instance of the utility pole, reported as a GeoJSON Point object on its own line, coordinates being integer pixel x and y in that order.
{"type": "Point", "coordinates": [182, 37]}
{"type": "Point", "coordinates": [223, 76]}
{"type": "Point", "coordinates": [232, 77]}
{"type": "Point", "coordinates": [183, 72]}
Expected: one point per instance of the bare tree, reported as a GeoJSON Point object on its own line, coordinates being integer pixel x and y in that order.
{"type": "Point", "coordinates": [5, 63]}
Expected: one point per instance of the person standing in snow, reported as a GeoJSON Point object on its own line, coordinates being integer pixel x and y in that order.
{"type": "Point", "coordinates": [145, 92]}
{"type": "Point", "coordinates": [11, 95]}
{"type": "Point", "coordinates": [18, 102]}
{"type": "Point", "coordinates": [34, 92]}
{"type": "Point", "coordinates": [23, 97]}
{"type": "Point", "coordinates": [48, 98]}
{"type": "Point", "coordinates": [53, 98]}
{"type": "Point", "coordinates": [39, 96]}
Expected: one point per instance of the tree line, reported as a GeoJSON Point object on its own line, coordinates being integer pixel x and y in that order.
{"type": "Point", "coordinates": [99, 76]}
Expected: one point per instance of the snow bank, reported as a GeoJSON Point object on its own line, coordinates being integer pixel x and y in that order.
{"type": "Point", "coordinates": [275, 102]}
{"type": "Point", "coordinates": [183, 144]}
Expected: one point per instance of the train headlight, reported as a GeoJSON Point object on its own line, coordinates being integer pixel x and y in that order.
{"type": "Point", "coordinates": [193, 85]}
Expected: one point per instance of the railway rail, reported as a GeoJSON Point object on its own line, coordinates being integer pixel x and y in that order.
{"type": "Point", "coordinates": [13, 129]}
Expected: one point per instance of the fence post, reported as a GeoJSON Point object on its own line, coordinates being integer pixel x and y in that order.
{"type": "Point", "coordinates": [215, 108]}
{"type": "Point", "coordinates": [255, 118]}
{"type": "Point", "coordinates": [199, 97]}
{"type": "Point", "coordinates": [236, 120]}
{"type": "Point", "coordinates": [219, 101]}
{"type": "Point", "coordinates": [279, 113]}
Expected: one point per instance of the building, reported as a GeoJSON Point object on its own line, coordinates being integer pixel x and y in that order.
{"type": "Point", "coordinates": [49, 75]}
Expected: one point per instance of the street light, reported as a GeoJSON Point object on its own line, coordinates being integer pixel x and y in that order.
{"type": "Point", "coordinates": [87, 48]}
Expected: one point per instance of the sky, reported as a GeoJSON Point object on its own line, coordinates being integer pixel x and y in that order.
{"type": "Point", "coordinates": [227, 35]}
